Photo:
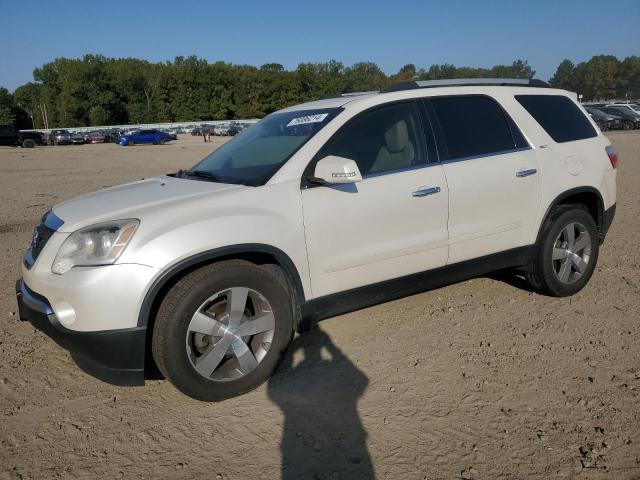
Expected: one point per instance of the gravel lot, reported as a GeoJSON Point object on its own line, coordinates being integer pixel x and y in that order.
{"type": "Point", "coordinates": [482, 379]}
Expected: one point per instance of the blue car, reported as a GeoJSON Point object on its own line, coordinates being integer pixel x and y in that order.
{"type": "Point", "coordinates": [155, 137]}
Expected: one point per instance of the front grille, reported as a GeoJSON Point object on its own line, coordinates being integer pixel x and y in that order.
{"type": "Point", "coordinates": [41, 235]}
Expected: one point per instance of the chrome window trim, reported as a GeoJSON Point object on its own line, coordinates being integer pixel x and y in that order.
{"type": "Point", "coordinates": [444, 162]}
{"type": "Point", "coordinates": [485, 155]}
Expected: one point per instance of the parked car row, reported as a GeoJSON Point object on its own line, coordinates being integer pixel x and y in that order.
{"type": "Point", "coordinates": [230, 129]}
{"type": "Point", "coordinates": [122, 137]}
{"type": "Point", "coordinates": [614, 116]}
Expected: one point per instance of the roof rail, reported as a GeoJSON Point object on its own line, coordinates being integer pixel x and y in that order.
{"type": "Point", "coordinates": [349, 94]}
{"type": "Point", "coordinates": [460, 82]}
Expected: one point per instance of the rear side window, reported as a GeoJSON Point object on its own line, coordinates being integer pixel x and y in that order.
{"type": "Point", "coordinates": [559, 116]}
{"type": "Point", "coordinates": [474, 126]}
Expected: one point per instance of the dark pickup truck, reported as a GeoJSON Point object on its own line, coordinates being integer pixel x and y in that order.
{"type": "Point", "coordinates": [10, 135]}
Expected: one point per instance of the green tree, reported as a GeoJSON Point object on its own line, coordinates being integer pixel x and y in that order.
{"type": "Point", "coordinates": [564, 76]}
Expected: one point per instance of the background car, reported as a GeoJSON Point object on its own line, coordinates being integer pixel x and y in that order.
{"type": "Point", "coordinates": [155, 137]}
{"type": "Point", "coordinates": [59, 137]}
{"type": "Point", "coordinates": [634, 108]}
{"type": "Point", "coordinates": [604, 120]}
{"type": "Point", "coordinates": [234, 130]}
{"type": "Point", "coordinates": [77, 138]}
{"type": "Point", "coordinates": [171, 133]}
{"type": "Point", "coordinates": [94, 137]}
{"type": "Point", "coordinates": [630, 120]}
{"type": "Point", "coordinates": [10, 135]}
{"type": "Point", "coordinates": [221, 129]}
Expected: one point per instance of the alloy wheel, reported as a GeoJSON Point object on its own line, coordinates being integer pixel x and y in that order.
{"type": "Point", "coordinates": [571, 253]}
{"type": "Point", "coordinates": [230, 334]}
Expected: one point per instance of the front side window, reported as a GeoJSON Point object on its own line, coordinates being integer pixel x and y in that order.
{"type": "Point", "coordinates": [473, 126]}
{"type": "Point", "coordinates": [381, 140]}
{"type": "Point", "coordinates": [252, 157]}
{"type": "Point", "coordinates": [559, 116]}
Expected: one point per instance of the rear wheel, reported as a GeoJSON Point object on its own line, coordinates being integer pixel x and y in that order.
{"type": "Point", "coordinates": [28, 143]}
{"type": "Point", "coordinates": [222, 330]}
{"type": "Point", "coordinates": [567, 252]}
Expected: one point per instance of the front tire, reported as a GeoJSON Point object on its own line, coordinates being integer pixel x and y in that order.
{"type": "Point", "coordinates": [28, 143]}
{"type": "Point", "coordinates": [567, 252]}
{"type": "Point", "coordinates": [222, 330]}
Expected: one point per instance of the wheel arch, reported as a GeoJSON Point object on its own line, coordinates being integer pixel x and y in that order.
{"type": "Point", "coordinates": [259, 254]}
{"type": "Point", "coordinates": [590, 197]}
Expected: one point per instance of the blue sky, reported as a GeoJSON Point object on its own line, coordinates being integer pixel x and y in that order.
{"type": "Point", "coordinates": [389, 33]}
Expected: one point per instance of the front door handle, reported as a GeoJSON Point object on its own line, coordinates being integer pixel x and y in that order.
{"type": "Point", "coordinates": [526, 173]}
{"type": "Point", "coordinates": [424, 192]}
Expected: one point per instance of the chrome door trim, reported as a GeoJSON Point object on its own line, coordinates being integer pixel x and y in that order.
{"type": "Point", "coordinates": [424, 192]}
{"type": "Point", "coordinates": [527, 172]}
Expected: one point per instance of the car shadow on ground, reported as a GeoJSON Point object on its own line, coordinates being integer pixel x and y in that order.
{"type": "Point", "coordinates": [511, 277]}
{"type": "Point", "coordinates": [323, 435]}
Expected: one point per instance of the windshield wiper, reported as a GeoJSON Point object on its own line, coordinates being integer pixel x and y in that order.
{"type": "Point", "coordinates": [201, 174]}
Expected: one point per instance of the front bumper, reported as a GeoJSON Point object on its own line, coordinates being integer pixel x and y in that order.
{"type": "Point", "coordinates": [114, 356]}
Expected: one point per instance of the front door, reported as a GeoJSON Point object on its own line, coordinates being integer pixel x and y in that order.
{"type": "Point", "coordinates": [392, 223]}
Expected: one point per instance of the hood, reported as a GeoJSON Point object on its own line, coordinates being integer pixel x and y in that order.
{"type": "Point", "coordinates": [132, 200]}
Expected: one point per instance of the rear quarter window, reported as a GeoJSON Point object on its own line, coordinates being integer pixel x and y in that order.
{"type": "Point", "coordinates": [560, 117]}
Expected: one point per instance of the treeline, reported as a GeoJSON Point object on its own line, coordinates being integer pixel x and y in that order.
{"type": "Point", "coordinates": [603, 77]}
{"type": "Point", "coordinates": [96, 90]}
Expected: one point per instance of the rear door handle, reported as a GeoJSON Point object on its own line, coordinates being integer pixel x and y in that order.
{"type": "Point", "coordinates": [424, 192]}
{"type": "Point", "coordinates": [526, 173]}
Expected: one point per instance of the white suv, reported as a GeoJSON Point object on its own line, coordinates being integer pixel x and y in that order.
{"type": "Point", "coordinates": [320, 209]}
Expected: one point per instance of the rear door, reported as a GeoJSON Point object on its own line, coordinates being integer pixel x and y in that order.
{"type": "Point", "coordinates": [492, 173]}
{"type": "Point", "coordinates": [392, 223]}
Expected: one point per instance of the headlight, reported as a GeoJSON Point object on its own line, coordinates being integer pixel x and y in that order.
{"type": "Point", "coordinates": [99, 244]}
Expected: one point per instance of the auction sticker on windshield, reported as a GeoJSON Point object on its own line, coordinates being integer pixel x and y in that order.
{"type": "Point", "coordinates": [308, 119]}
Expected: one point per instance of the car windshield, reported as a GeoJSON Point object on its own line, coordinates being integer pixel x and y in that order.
{"type": "Point", "coordinates": [253, 156]}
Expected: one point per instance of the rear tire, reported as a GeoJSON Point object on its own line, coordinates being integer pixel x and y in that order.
{"type": "Point", "coordinates": [28, 143]}
{"type": "Point", "coordinates": [567, 252]}
{"type": "Point", "coordinates": [187, 357]}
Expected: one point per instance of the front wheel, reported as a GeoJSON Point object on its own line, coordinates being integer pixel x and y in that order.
{"type": "Point", "coordinates": [28, 143]}
{"type": "Point", "coordinates": [628, 126]}
{"type": "Point", "coordinates": [222, 330]}
{"type": "Point", "coordinates": [567, 252]}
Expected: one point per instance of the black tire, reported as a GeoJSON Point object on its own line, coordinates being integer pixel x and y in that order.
{"type": "Point", "coordinates": [130, 142]}
{"type": "Point", "coordinates": [628, 126]}
{"type": "Point", "coordinates": [187, 295]}
{"type": "Point", "coordinates": [543, 277]}
{"type": "Point", "coordinates": [28, 143]}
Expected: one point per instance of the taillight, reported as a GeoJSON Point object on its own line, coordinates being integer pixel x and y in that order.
{"type": "Point", "coordinates": [613, 155]}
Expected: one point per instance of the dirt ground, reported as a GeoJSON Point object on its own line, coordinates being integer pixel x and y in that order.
{"type": "Point", "coordinates": [482, 379]}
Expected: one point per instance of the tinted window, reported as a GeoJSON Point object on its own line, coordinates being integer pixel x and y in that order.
{"type": "Point", "coordinates": [559, 116]}
{"type": "Point", "coordinates": [381, 140]}
{"type": "Point", "coordinates": [472, 126]}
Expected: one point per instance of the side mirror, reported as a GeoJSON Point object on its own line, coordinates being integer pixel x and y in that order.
{"type": "Point", "coordinates": [333, 169]}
